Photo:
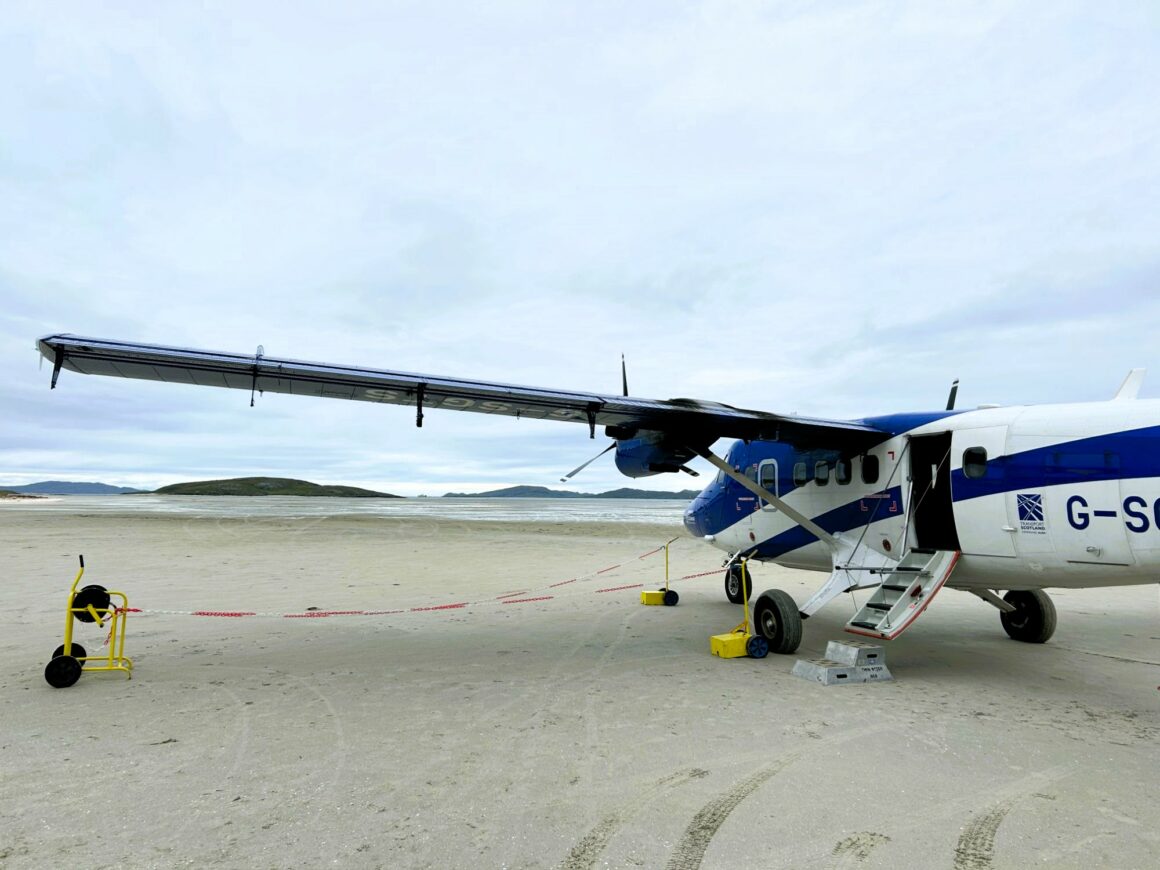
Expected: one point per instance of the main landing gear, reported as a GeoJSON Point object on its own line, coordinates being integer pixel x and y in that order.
{"type": "Point", "coordinates": [776, 617]}
{"type": "Point", "coordinates": [1027, 614]}
{"type": "Point", "coordinates": [1032, 620]}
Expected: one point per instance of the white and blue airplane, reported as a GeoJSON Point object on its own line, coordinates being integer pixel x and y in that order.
{"type": "Point", "coordinates": [998, 499]}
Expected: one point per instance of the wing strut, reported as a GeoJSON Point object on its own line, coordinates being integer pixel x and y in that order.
{"type": "Point", "coordinates": [760, 491]}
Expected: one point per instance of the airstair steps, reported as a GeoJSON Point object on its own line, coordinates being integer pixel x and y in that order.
{"type": "Point", "coordinates": [906, 590]}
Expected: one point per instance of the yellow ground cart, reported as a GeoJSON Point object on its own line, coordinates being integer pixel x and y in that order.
{"type": "Point", "coordinates": [90, 604]}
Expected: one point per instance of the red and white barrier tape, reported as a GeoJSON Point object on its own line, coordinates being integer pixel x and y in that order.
{"type": "Point", "coordinates": [522, 597]}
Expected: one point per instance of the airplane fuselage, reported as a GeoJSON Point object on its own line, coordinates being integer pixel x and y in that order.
{"type": "Point", "coordinates": [1033, 496]}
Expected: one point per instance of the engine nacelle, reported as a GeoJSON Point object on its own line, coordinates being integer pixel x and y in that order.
{"type": "Point", "coordinates": [650, 453]}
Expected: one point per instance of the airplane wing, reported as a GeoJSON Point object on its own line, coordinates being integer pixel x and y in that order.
{"type": "Point", "coordinates": [688, 420]}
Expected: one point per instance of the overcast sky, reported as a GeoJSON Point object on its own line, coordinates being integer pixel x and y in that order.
{"type": "Point", "coordinates": [832, 208]}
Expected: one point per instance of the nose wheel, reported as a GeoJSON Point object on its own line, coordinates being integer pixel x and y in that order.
{"type": "Point", "coordinates": [738, 583]}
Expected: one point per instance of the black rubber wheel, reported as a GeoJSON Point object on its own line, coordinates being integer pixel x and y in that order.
{"type": "Point", "coordinates": [78, 651]}
{"type": "Point", "coordinates": [778, 621]}
{"type": "Point", "coordinates": [62, 672]}
{"type": "Point", "coordinates": [97, 596]}
{"type": "Point", "coordinates": [671, 598]}
{"type": "Point", "coordinates": [733, 583]}
{"type": "Point", "coordinates": [757, 647]}
{"type": "Point", "coordinates": [1033, 620]}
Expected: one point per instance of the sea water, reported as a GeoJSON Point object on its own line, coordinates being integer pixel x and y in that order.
{"type": "Point", "coordinates": [565, 510]}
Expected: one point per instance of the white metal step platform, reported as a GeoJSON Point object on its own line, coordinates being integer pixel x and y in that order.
{"type": "Point", "coordinates": [850, 661]}
{"type": "Point", "coordinates": [906, 590]}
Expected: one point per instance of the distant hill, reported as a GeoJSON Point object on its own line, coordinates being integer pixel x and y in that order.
{"type": "Point", "coordinates": [628, 492]}
{"type": "Point", "coordinates": [544, 492]}
{"type": "Point", "coordinates": [255, 486]}
{"type": "Point", "coordinates": [65, 487]}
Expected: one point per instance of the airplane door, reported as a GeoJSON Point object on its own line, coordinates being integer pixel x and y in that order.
{"type": "Point", "coordinates": [983, 509]}
{"type": "Point", "coordinates": [764, 474]}
{"type": "Point", "coordinates": [929, 506]}
{"type": "Point", "coordinates": [767, 479]}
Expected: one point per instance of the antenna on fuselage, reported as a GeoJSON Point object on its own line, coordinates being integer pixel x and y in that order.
{"type": "Point", "coordinates": [623, 374]}
{"type": "Point", "coordinates": [954, 394]}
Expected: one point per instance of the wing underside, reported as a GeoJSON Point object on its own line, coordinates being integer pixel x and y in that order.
{"type": "Point", "coordinates": [692, 420]}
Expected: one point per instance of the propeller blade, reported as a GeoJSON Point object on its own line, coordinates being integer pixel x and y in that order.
{"type": "Point", "coordinates": [954, 393]}
{"type": "Point", "coordinates": [580, 468]}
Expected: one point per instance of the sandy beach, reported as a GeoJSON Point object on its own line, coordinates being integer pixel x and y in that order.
{"type": "Point", "coordinates": [548, 721]}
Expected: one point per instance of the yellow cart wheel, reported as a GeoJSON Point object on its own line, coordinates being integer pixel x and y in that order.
{"type": "Point", "coordinates": [62, 672]}
{"type": "Point", "coordinates": [78, 652]}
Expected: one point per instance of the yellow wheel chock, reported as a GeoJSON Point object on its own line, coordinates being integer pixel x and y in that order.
{"type": "Point", "coordinates": [666, 596]}
{"type": "Point", "coordinates": [90, 604]}
{"type": "Point", "coordinates": [740, 641]}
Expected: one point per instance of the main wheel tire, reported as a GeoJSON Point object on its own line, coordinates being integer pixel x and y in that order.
{"type": "Point", "coordinates": [78, 651]}
{"type": "Point", "coordinates": [733, 590]}
{"type": "Point", "coordinates": [1033, 620]}
{"type": "Point", "coordinates": [778, 621]}
{"type": "Point", "coordinates": [62, 672]}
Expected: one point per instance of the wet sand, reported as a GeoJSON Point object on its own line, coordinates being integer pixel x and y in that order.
{"type": "Point", "coordinates": [581, 730]}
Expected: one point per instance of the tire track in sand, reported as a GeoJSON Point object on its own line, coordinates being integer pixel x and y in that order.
{"type": "Point", "coordinates": [588, 850]}
{"type": "Point", "coordinates": [976, 846]}
{"type": "Point", "coordinates": [690, 851]}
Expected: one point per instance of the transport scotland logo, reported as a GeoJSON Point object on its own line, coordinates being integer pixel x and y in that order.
{"type": "Point", "coordinates": [1030, 508]}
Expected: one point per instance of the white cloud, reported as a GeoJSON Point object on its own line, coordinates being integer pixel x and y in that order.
{"type": "Point", "coordinates": [833, 209]}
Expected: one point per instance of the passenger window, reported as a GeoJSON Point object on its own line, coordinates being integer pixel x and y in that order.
{"type": "Point", "coordinates": [842, 472]}
{"type": "Point", "coordinates": [801, 474]}
{"type": "Point", "coordinates": [870, 469]}
{"type": "Point", "coordinates": [974, 462]}
{"type": "Point", "coordinates": [821, 473]}
{"type": "Point", "coordinates": [768, 478]}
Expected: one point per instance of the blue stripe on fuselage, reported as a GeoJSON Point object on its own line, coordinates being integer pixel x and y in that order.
{"type": "Point", "coordinates": [1115, 456]}
{"type": "Point", "coordinates": [854, 515]}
